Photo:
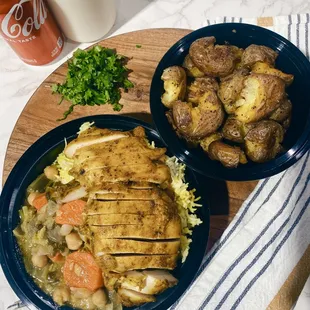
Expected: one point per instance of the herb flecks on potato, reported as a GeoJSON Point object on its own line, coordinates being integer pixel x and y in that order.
{"type": "Point", "coordinates": [230, 89]}
{"type": "Point", "coordinates": [213, 60]}
{"type": "Point", "coordinates": [191, 69]}
{"type": "Point", "coordinates": [174, 84]}
{"type": "Point", "coordinates": [261, 95]}
{"type": "Point", "coordinates": [229, 156]}
{"type": "Point", "coordinates": [255, 53]}
{"type": "Point", "coordinates": [195, 122]}
{"type": "Point", "coordinates": [265, 68]}
{"type": "Point", "coordinates": [263, 142]}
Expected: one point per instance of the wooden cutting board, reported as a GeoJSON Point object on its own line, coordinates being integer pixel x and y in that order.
{"type": "Point", "coordinates": [41, 112]}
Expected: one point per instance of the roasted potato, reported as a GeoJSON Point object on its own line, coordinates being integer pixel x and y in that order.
{"type": "Point", "coordinates": [213, 60]}
{"type": "Point", "coordinates": [199, 87]}
{"type": "Point", "coordinates": [174, 85]}
{"type": "Point", "coordinates": [262, 67]}
{"type": "Point", "coordinates": [234, 130]}
{"type": "Point", "coordinates": [263, 142]}
{"type": "Point", "coordinates": [229, 156]}
{"type": "Point", "coordinates": [191, 69]}
{"type": "Point", "coordinates": [206, 141]}
{"type": "Point", "coordinates": [283, 113]}
{"type": "Point", "coordinates": [262, 94]}
{"type": "Point", "coordinates": [195, 123]}
{"type": "Point", "coordinates": [230, 89]}
{"type": "Point", "coordinates": [255, 53]}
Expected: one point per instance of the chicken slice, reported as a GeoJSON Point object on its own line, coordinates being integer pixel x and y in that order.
{"type": "Point", "coordinates": [147, 282]}
{"type": "Point", "coordinates": [131, 298]}
{"type": "Point", "coordinates": [133, 194]}
{"type": "Point", "coordinates": [112, 160]}
{"type": "Point", "coordinates": [157, 174]}
{"type": "Point", "coordinates": [86, 140]}
{"type": "Point", "coordinates": [103, 246]}
{"type": "Point", "coordinates": [125, 263]}
{"type": "Point", "coordinates": [158, 221]}
{"type": "Point", "coordinates": [117, 147]}
{"type": "Point", "coordinates": [126, 207]}
{"type": "Point", "coordinates": [141, 185]}
{"type": "Point", "coordinates": [148, 230]}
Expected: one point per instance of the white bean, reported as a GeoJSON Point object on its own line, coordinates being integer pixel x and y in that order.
{"type": "Point", "coordinates": [51, 172]}
{"type": "Point", "coordinates": [61, 295]}
{"type": "Point", "coordinates": [65, 229]}
{"type": "Point", "coordinates": [32, 196]}
{"type": "Point", "coordinates": [39, 261]}
{"type": "Point", "coordinates": [80, 293]}
{"type": "Point", "coordinates": [100, 298]}
{"type": "Point", "coordinates": [74, 242]}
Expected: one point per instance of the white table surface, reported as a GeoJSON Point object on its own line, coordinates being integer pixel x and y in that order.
{"type": "Point", "coordinates": [18, 81]}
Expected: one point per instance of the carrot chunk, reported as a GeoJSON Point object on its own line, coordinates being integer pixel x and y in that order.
{"type": "Point", "coordinates": [40, 201]}
{"type": "Point", "coordinates": [71, 213]}
{"type": "Point", "coordinates": [81, 270]}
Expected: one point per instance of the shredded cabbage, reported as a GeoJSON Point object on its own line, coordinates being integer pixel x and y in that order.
{"type": "Point", "coordinates": [186, 202]}
{"type": "Point", "coordinates": [85, 126]}
{"type": "Point", "coordinates": [64, 165]}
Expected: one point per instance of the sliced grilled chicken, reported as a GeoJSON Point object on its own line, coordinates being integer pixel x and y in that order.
{"type": "Point", "coordinates": [156, 222]}
{"type": "Point", "coordinates": [150, 173]}
{"type": "Point", "coordinates": [103, 246]}
{"type": "Point", "coordinates": [87, 140]}
{"type": "Point", "coordinates": [119, 147]}
{"type": "Point", "coordinates": [126, 207]}
{"type": "Point", "coordinates": [131, 298]}
{"type": "Point", "coordinates": [125, 263]}
{"type": "Point", "coordinates": [141, 185]}
{"type": "Point", "coordinates": [150, 231]}
{"type": "Point", "coordinates": [147, 282]}
{"type": "Point", "coordinates": [133, 194]}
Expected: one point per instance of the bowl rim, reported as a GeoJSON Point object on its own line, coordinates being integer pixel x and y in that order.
{"type": "Point", "coordinates": [275, 166]}
{"type": "Point", "coordinates": [50, 141]}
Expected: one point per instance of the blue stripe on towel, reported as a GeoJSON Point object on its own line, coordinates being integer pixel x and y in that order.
{"type": "Point", "coordinates": [261, 252]}
{"type": "Point", "coordinates": [230, 269]}
{"type": "Point", "coordinates": [278, 248]}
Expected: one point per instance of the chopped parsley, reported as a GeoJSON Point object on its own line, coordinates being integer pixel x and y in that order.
{"type": "Point", "coordinates": [138, 45]}
{"type": "Point", "coordinates": [94, 77]}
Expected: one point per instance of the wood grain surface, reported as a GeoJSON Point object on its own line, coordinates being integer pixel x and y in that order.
{"type": "Point", "coordinates": [40, 115]}
{"type": "Point", "coordinates": [42, 111]}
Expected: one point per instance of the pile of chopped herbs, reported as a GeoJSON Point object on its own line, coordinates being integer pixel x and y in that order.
{"type": "Point", "coordinates": [94, 77]}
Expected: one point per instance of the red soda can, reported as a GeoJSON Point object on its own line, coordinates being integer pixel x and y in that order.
{"type": "Point", "coordinates": [31, 31]}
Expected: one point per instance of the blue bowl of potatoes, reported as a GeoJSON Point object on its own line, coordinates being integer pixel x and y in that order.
{"type": "Point", "coordinates": [230, 101]}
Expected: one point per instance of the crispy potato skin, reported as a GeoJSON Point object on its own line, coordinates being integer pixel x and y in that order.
{"type": "Point", "coordinates": [229, 156]}
{"type": "Point", "coordinates": [261, 95]}
{"type": "Point", "coordinates": [194, 123]}
{"type": "Point", "coordinates": [199, 87]}
{"type": "Point", "coordinates": [174, 85]}
{"type": "Point", "coordinates": [255, 53]}
{"type": "Point", "coordinates": [233, 130]}
{"type": "Point", "coordinates": [206, 141]}
{"type": "Point", "coordinates": [265, 68]}
{"type": "Point", "coordinates": [213, 60]}
{"type": "Point", "coordinates": [283, 113]}
{"type": "Point", "coordinates": [263, 142]}
{"type": "Point", "coordinates": [230, 89]}
{"type": "Point", "coordinates": [191, 69]}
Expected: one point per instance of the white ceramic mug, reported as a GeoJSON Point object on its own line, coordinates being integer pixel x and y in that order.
{"type": "Point", "coordinates": [84, 20]}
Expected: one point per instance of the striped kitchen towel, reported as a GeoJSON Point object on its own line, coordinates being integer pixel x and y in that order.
{"type": "Point", "coordinates": [269, 235]}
